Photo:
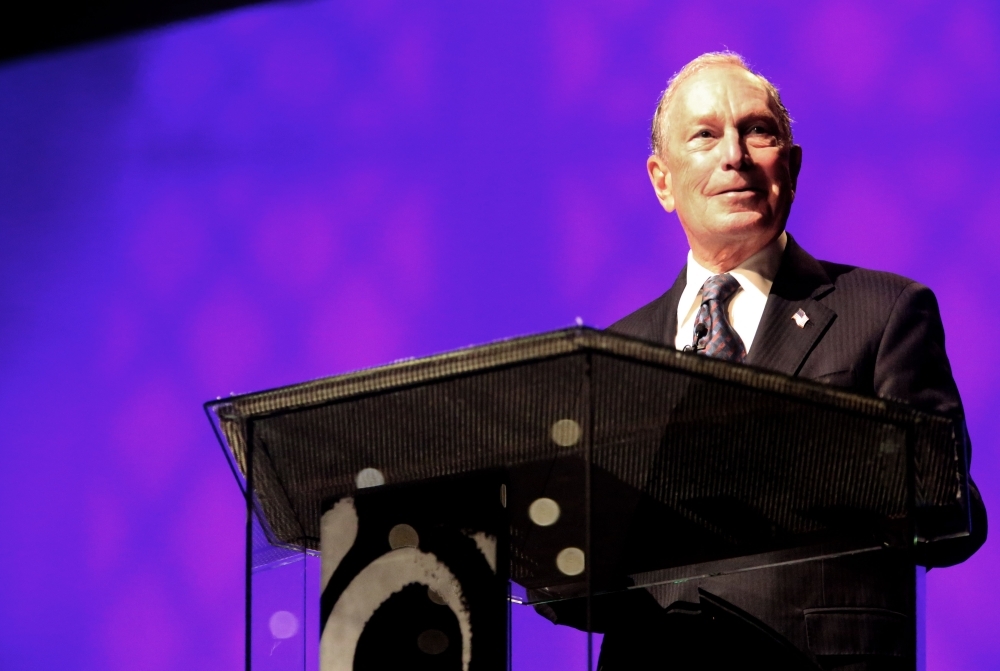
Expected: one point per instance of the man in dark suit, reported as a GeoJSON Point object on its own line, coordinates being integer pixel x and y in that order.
{"type": "Point", "coordinates": [724, 160]}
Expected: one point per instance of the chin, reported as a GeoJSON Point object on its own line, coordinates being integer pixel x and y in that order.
{"type": "Point", "coordinates": [745, 223]}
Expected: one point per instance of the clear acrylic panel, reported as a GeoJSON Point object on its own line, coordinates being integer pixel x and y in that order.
{"type": "Point", "coordinates": [283, 612]}
{"type": "Point", "coordinates": [282, 603]}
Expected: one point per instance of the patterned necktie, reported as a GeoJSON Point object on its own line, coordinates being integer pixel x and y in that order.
{"type": "Point", "coordinates": [713, 335]}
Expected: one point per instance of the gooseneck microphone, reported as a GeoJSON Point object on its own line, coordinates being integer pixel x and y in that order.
{"type": "Point", "coordinates": [700, 331]}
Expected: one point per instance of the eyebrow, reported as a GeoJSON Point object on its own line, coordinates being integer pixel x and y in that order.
{"type": "Point", "coordinates": [713, 117]}
{"type": "Point", "coordinates": [758, 117]}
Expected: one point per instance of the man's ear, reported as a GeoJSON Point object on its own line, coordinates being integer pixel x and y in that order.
{"type": "Point", "coordinates": [659, 176]}
{"type": "Point", "coordinates": [794, 165]}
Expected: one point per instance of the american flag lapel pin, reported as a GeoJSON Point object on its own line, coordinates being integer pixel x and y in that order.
{"type": "Point", "coordinates": [800, 318]}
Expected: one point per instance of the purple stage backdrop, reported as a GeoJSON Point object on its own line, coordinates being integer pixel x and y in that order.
{"type": "Point", "coordinates": [297, 190]}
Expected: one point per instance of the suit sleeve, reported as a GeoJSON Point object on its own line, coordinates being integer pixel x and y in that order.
{"type": "Point", "coordinates": [911, 366]}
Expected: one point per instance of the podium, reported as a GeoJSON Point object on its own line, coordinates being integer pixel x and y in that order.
{"type": "Point", "coordinates": [420, 512]}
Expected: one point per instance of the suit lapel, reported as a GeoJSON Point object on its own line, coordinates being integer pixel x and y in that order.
{"type": "Point", "coordinates": [670, 301]}
{"type": "Point", "coordinates": [780, 344]}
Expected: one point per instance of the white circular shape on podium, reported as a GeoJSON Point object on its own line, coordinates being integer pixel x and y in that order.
{"type": "Point", "coordinates": [372, 587]}
{"type": "Point", "coordinates": [570, 561]}
{"type": "Point", "coordinates": [369, 477]}
{"type": "Point", "coordinates": [544, 512]}
{"type": "Point", "coordinates": [566, 433]}
{"type": "Point", "coordinates": [283, 624]}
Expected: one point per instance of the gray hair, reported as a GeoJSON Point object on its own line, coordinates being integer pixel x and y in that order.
{"type": "Point", "coordinates": [658, 134]}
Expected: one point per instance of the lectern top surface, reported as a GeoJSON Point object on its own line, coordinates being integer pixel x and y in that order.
{"type": "Point", "coordinates": [524, 350]}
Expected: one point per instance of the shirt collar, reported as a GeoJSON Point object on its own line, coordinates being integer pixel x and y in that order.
{"type": "Point", "coordinates": [755, 275]}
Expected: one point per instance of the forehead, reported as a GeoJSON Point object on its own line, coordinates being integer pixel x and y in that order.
{"type": "Point", "coordinates": [720, 90]}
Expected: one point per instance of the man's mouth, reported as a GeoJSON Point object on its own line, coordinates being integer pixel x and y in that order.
{"type": "Point", "coordinates": [743, 189]}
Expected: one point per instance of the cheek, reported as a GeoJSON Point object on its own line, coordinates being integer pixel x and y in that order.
{"type": "Point", "coordinates": [777, 177]}
{"type": "Point", "coordinates": [692, 201]}
{"type": "Point", "coordinates": [695, 181]}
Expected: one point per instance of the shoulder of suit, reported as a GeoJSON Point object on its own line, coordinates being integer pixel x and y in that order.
{"type": "Point", "coordinates": [850, 279]}
{"type": "Point", "coordinates": [640, 323]}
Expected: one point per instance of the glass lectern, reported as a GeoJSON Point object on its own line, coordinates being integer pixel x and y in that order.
{"type": "Point", "coordinates": [433, 512]}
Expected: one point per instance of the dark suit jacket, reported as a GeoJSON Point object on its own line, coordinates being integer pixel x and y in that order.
{"type": "Point", "coordinates": [872, 333]}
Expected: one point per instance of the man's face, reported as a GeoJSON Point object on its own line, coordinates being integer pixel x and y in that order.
{"type": "Point", "coordinates": [725, 169]}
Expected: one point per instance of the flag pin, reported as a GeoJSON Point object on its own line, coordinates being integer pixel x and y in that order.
{"type": "Point", "coordinates": [800, 318]}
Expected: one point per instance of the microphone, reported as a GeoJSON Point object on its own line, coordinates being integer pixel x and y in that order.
{"type": "Point", "coordinates": [700, 331]}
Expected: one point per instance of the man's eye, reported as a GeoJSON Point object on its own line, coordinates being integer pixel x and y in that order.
{"type": "Point", "coordinates": [704, 134]}
{"type": "Point", "coordinates": [760, 130]}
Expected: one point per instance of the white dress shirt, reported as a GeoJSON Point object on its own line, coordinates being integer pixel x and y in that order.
{"type": "Point", "coordinates": [755, 275]}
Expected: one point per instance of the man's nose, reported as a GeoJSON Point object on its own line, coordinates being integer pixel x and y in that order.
{"type": "Point", "coordinates": [734, 154]}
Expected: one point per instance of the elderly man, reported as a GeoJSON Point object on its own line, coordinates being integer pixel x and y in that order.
{"type": "Point", "coordinates": [724, 161]}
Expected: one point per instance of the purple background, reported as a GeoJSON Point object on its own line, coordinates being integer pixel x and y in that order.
{"type": "Point", "coordinates": [296, 190]}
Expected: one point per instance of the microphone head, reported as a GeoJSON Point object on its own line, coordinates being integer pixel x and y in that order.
{"type": "Point", "coordinates": [700, 331]}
